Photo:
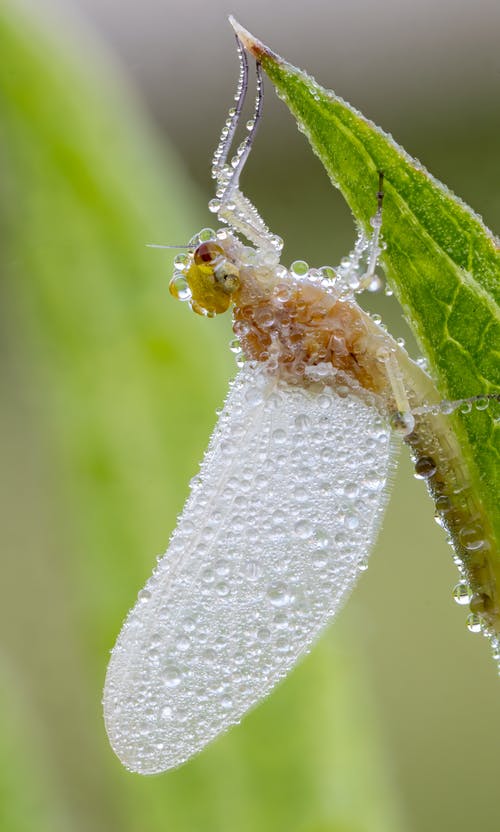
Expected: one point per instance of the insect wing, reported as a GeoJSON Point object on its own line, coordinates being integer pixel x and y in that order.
{"type": "Point", "coordinates": [278, 523]}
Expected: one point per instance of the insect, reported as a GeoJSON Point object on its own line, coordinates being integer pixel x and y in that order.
{"type": "Point", "coordinates": [290, 494]}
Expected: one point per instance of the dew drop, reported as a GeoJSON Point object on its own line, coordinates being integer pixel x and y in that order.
{"type": "Point", "coordinates": [328, 273]}
{"type": "Point", "coordinates": [279, 436]}
{"type": "Point", "coordinates": [299, 268]}
{"type": "Point", "coordinates": [402, 423]}
{"type": "Point", "coordinates": [461, 594]}
{"type": "Point", "coordinates": [206, 235]}
{"type": "Point", "coordinates": [473, 623]}
{"type": "Point", "coordinates": [447, 407]}
{"type": "Point", "coordinates": [254, 396]}
{"type": "Point", "coordinates": [179, 287]}
{"type": "Point", "coordinates": [303, 529]}
{"type": "Point", "coordinates": [263, 634]}
{"type": "Point", "coordinates": [302, 422]}
{"type": "Point", "coordinates": [183, 643]}
{"type": "Point", "coordinates": [425, 467]}
{"type": "Point", "coordinates": [471, 538]}
{"type": "Point", "coordinates": [351, 520]}
{"type": "Point", "coordinates": [482, 404]}
{"type": "Point", "coordinates": [322, 538]}
{"type": "Point", "coordinates": [278, 595]}
{"type": "Point", "coordinates": [171, 676]}
{"type": "Point", "coordinates": [375, 284]}
{"type": "Point", "coordinates": [222, 589]}
{"type": "Point", "coordinates": [181, 262]}
{"type": "Point", "coordinates": [319, 559]}
{"type": "Point", "coordinates": [252, 570]}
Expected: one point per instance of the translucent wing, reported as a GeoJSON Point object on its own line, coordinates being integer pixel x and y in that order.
{"type": "Point", "coordinates": [279, 521]}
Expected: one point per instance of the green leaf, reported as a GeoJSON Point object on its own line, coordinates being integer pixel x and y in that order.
{"type": "Point", "coordinates": [444, 267]}
{"type": "Point", "coordinates": [109, 389]}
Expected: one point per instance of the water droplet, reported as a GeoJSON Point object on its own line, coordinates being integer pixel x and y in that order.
{"type": "Point", "coordinates": [179, 287]}
{"type": "Point", "coordinates": [351, 490]}
{"type": "Point", "coordinates": [299, 268]}
{"type": "Point", "coordinates": [473, 623]}
{"type": "Point", "coordinates": [482, 404]}
{"type": "Point", "coordinates": [181, 262]}
{"type": "Point", "coordinates": [252, 570]}
{"type": "Point", "coordinates": [375, 284]}
{"type": "Point", "coordinates": [214, 205]}
{"type": "Point", "coordinates": [210, 655]}
{"type": "Point", "coordinates": [222, 589]}
{"type": "Point", "coordinates": [425, 467]}
{"type": "Point", "coordinates": [171, 676]}
{"type": "Point", "coordinates": [328, 273]}
{"type": "Point", "coordinates": [183, 643]}
{"type": "Point", "coordinates": [144, 596]}
{"type": "Point", "coordinates": [303, 529]}
{"type": "Point", "coordinates": [302, 422]}
{"type": "Point", "coordinates": [279, 436]}
{"type": "Point", "coordinates": [263, 634]}
{"type": "Point", "coordinates": [402, 423]}
{"type": "Point", "coordinates": [471, 538]}
{"type": "Point", "coordinates": [351, 520]}
{"type": "Point", "coordinates": [207, 576]}
{"type": "Point", "coordinates": [254, 396]}
{"type": "Point", "coordinates": [373, 480]}
{"type": "Point", "coordinates": [278, 595]}
{"type": "Point", "coordinates": [189, 625]}
{"type": "Point", "coordinates": [319, 559]}
{"type": "Point", "coordinates": [461, 593]}
{"type": "Point", "coordinates": [322, 538]}
{"type": "Point", "coordinates": [206, 235]}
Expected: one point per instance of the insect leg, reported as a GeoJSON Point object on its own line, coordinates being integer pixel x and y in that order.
{"type": "Point", "coordinates": [402, 417]}
{"type": "Point", "coordinates": [481, 402]}
{"type": "Point", "coordinates": [227, 135]}
{"type": "Point", "coordinates": [375, 249]}
{"type": "Point", "coordinates": [231, 205]}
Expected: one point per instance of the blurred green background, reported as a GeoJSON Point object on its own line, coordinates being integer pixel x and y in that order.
{"type": "Point", "coordinates": [109, 112]}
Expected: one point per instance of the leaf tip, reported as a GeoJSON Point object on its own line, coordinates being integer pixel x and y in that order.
{"type": "Point", "coordinates": [254, 46]}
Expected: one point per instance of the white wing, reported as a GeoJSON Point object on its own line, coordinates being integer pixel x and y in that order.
{"type": "Point", "coordinates": [279, 521]}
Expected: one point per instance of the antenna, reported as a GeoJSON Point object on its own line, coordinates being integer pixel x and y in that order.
{"type": "Point", "coordinates": [158, 245]}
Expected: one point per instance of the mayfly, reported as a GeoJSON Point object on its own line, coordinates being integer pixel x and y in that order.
{"type": "Point", "coordinates": [290, 494]}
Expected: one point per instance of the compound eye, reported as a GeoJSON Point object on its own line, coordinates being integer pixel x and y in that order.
{"type": "Point", "coordinates": [207, 254]}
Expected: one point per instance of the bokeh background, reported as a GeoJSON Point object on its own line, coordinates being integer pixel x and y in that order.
{"type": "Point", "coordinates": [109, 112]}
